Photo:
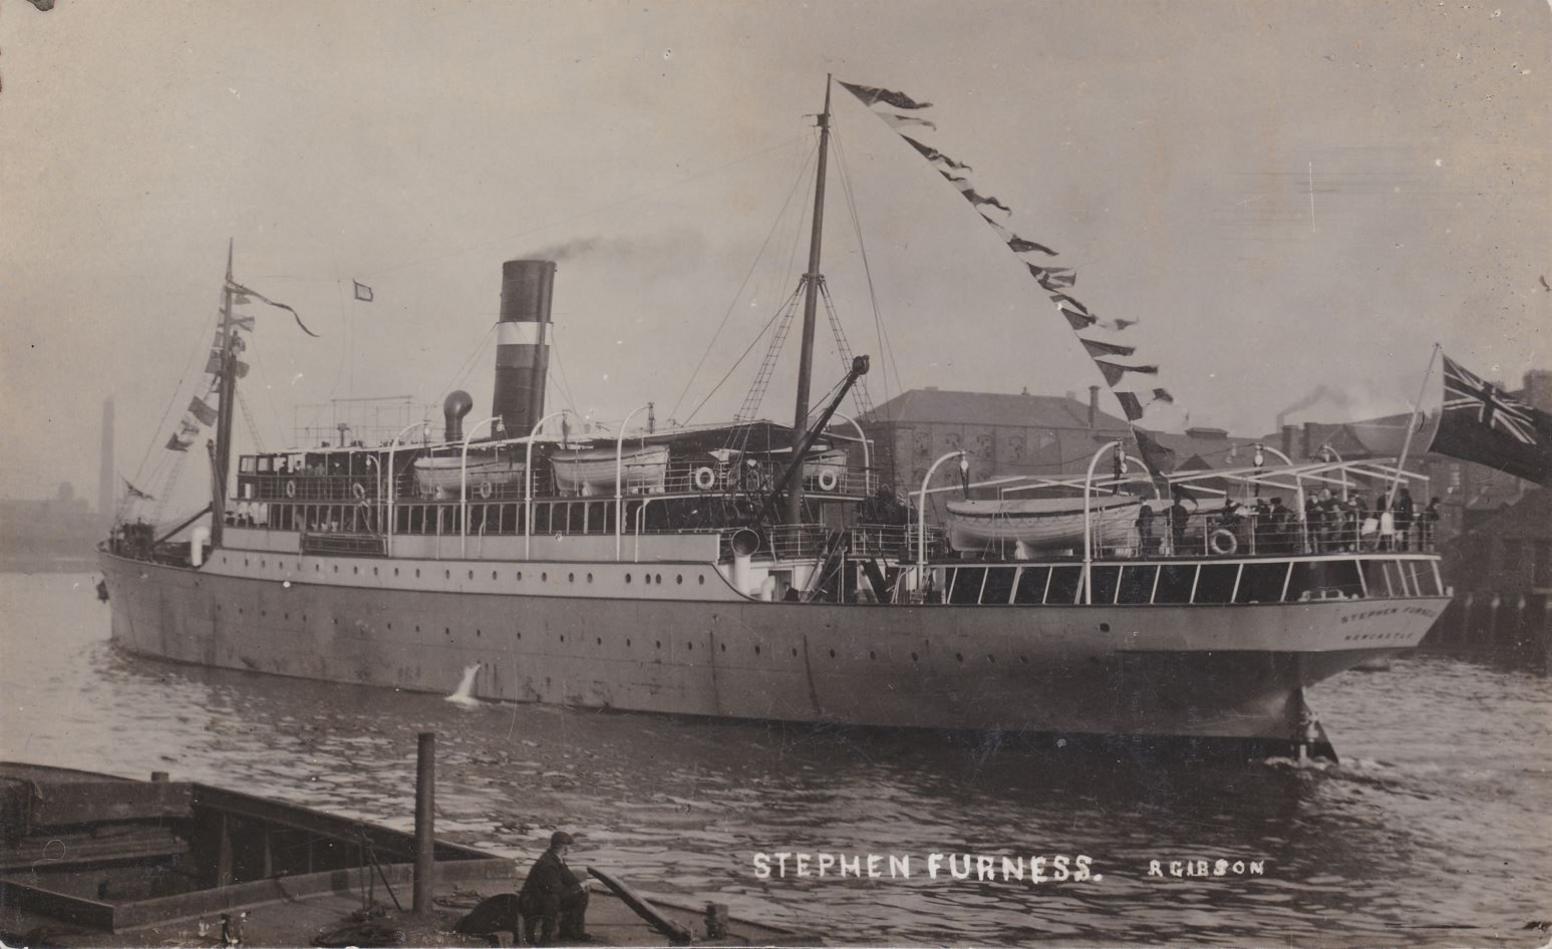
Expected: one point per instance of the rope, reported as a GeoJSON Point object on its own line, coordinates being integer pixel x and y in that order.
{"type": "Point", "coordinates": [885, 347]}
{"type": "Point", "coordinates": [759, 254]}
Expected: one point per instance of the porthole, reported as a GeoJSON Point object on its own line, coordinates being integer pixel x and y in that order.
{"type": "Point", "coordinates": [396, 571]}
{"type": "Point", "coordinates": [519, 635]}
{"type": "Point", "coordinates": [660, 644]}
{"type": "Point", "coordinates": [913, 657]}
{"type": "Point", "coordinates": [478, 632]}
{"type": "Point", "coordinates": [627, 642]}
{"type": "Point", "coordinates": [471, 574]}
{"type": "Point", "coordinates": [447, 631]}
{"type": "Point", "coordinates": [263, 564]}
{"type": "Point", "coordinates": [794, 650]}
{"type": "Point", "coordinates": [316, 568]}
{"type": "Point", "coordinates": [447, 574]}
{"type": "Point", "coordinates": [702, 579]}
{"type": "Point", "coordinates": [627, 578]}
{"type": "Point", "coordinates": [562, 637]}
{"type": "Point", "coordinates": [545, 576]}
{"type": "Point", "coordinates": [374, 571]}
{"type": "Point", "coordinates": [960, 656]}
{"type": "Point", "coordinates": [1104, 627]}
{"type": "Point", "coordinates": [571, 578]}
{"type": "Point", "coordinates": [679, 579]}
{"type": "Point", "coordinates": [724, 647]}
{"type": "Point", "coordinates": [872, 654]}
{"type": "Point", "coordinates": [390, 624]}
{"type": "Point", "coordinates": [689, 647]}
{"type": "Point", "coordinates": [590, 578]}
{"type": "Point", "coordinates": [832, 654]}
{"type": "Point", "coordinates": [417, 573]}
{"type": "Point", "coordinates": [336, 568]}
{"type": "Point", "coordinates": [417, 627]}
{"type": "Point", "coordinates": [355, 570]}
{"type": "Point", "coordinates": [757, 650]}
{"type": "Point", "coordinates": [658, 578]}
{"type": "Point", "coordinates": [520, 576]}
{"type": "Point", "coordinates": [245, 561]}
{"type": "Point", "coordinates": [600, 640]}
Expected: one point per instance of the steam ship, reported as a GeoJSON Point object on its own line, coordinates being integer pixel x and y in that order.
{"type": "Point", "coordinates": [757, 571]}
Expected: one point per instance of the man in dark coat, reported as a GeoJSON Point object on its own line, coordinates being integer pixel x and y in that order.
{"type": "Point", "coordinates": [551, 894]}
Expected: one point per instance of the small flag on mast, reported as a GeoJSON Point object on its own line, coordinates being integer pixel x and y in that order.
{"type": "Point", "coordinates": [363, 292]}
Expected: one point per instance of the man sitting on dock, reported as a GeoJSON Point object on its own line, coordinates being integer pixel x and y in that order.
{"type": "Point", "coordinates": [553, 893]}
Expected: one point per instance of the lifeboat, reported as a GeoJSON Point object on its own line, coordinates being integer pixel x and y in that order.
{"type": "Point", "coordinates": [1040, 524]}
{"type": "Point", "coordinates": [487, 474]}
{"type": "Point", "coordinates": [589, 471]}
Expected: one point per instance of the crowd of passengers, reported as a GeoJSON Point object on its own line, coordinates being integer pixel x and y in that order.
{"type": "Point", "coordinates": [1330, 524]}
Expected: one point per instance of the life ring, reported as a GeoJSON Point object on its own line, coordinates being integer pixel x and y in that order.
{"type": "Point", "coordinates": [1222, 542]}
{"type": "Point", "coordinates": [486, 489]}
{"type": "Point", "coordinates": [705, 479]}
{"type": "Point", "coordinates": [828, 481]}
{"type": "Point", "coordinates": [291, 488]}
{"type": "Point", "coordinates": [358, 490]}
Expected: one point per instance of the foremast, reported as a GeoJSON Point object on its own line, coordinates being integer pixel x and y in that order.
{"type": "Point", "coordinates": [221, 451]}
{"type": "Point", "coordinates": [811, 279]}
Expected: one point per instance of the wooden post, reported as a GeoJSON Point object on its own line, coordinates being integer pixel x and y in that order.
{"type": "Point", "coordinates": [425, 840]}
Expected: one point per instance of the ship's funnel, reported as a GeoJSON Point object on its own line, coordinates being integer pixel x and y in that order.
{"type": "Point", "coordinates": [522, 344]}
{"type": "Point", "coordinates": [454, 408]}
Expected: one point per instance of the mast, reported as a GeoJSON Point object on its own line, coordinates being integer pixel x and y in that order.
{"type": "Point", "coordinates": [810, 304]}
{"type": "Point", "coordinates": [220, 460]}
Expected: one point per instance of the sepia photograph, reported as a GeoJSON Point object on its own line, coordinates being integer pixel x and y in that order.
{"type": "Point", "coordinates": [849, 473]}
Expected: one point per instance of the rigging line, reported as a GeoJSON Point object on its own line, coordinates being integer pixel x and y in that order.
{"type": "Point", "coordinates": [759, 254]}
{"type": "Point", "coordinates": [886, 348]}
{"type": "Point", "coordinates": [593, 212]}
{"type": "Point", "coordinates": [166, 412]}
{"type": "Point", "coordinates": [346, 341]}
{"type": "Point", "coordinates": [467, 365]}
{"type": "Point", "coordinates": [560, 377]}
{"type": "Point", "coordinates": [253, 430]}
{"type": "Point", "coordinates": [734, 368]}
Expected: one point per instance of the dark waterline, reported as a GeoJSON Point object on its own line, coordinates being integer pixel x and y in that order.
{"type": "Point", "coordinates": [1434, 830]}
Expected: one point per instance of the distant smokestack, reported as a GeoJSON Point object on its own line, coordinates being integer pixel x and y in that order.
{"type": "Point", "coordinates": [1288, 440]}
{"type": "Point", "coordinates": [106, 488]}
{"type": "Point", "coordinates": [522, 344]}
{"type": "Point", "coordinates": [1093, 406]}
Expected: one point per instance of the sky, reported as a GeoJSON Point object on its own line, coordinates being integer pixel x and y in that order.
{"type": "Point", "coordinates": [1285, 195]}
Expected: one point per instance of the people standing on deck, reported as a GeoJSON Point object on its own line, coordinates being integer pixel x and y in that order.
{"type": "Point", "coordinates": [1404, 517]}
{"type": "Point", "coordinates": [1177, 525]}
{"type": "Point", "coordinates": [1387, 538]}
{"type": "Point", "coordinates": [1147, 543]}
{"type": "Point", "coordinates": [1425, 524]}
{"type": "Point", "coordinates": [1330, 522]}
{"type": "Point", "coordinates": [1279, 528]}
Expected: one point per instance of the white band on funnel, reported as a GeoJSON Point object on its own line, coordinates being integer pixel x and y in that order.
{"type": "Point", "coordinates": [517, 334]}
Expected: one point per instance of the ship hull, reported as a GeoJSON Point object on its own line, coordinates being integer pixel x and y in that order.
{"type": "Point", "coordinates": [1231, 672]}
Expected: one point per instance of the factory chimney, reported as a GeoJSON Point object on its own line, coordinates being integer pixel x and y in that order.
{"type": "Point", "coordinates": [106, 488]}
{"type": "Point", "coordinates": [522, 344]}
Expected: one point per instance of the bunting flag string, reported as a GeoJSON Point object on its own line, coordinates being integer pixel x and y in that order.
{"type": "Point", "coordinates": [1098, 336]}
{"type": "Point", "coordinates": [242, 291]}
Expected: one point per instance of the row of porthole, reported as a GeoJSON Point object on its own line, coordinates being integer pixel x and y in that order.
{"type": "Point", "coordinates": [448, 574]}
{"type": "Point", "coordinates": [447, 630]}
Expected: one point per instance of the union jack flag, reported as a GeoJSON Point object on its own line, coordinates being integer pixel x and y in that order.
{"type": "Point", "coordinates": [1464, 391]}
